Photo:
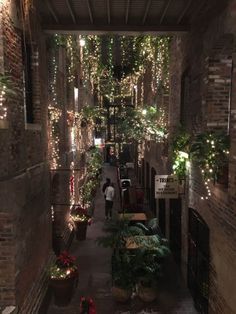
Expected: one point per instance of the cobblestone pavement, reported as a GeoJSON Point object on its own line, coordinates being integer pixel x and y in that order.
{"type": "Point", "coordinates": [95, 279]}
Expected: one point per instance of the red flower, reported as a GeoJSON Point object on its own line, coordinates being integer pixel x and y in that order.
{"type": "Point", "coordinates": [65, 260]}
{"type": "Point", "coordinates": [80, 213]}
{"type": "Point", "coordinates": [87, 306]}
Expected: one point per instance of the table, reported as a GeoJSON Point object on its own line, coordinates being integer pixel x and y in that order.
{"type": "Point", "coordinates": [133, 216]}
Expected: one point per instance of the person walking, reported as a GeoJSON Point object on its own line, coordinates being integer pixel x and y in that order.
{"type": "Point", "coordinates": [109, 197]}
{"type": "Point", "coordinates": [105, 185]}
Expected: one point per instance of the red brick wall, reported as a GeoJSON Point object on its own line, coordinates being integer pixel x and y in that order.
{"type": "Point", "coordinates": [207, 52]}
{"type": "Point", "coordinates": [25, 209]}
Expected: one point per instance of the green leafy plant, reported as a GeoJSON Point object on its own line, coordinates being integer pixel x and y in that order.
{"type": "Point", "coordinates": [116, 232]}
{"type": "Point", "coordinates": [136, 124]}
{"type": "Point", "coordinates": [181, 147]}
{"type": "Point", "coordinates": [210, 152]}
{"type": "Point", "coordinates": [7, 85]}
{"type": "Point", "coordinates": [122, 274]}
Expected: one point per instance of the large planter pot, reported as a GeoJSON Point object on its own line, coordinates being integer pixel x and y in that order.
{"type": "Point", "coordinates": [120, 294]}
{"type": "Point", "coordinates": [147, 294]}
{"type": "Point", "coordinates": [62, 290]}
{"type": "Point", "coordinates": [81, 230]}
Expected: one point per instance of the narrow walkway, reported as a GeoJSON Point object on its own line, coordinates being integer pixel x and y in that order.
{"type": "Point", "coordinates": [95, 278]}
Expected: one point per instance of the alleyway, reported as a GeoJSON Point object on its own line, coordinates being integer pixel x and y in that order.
{"type": "Point", "coordinates": [95, 279]}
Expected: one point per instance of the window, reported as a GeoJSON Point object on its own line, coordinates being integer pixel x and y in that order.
{"type": "Point", "coordinates": [27, 81]}
{"type": "Point", "coordinates": [185, 82]}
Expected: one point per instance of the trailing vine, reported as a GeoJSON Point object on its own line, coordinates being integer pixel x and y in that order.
{"type": "Point", "coordinates": [209, 150]}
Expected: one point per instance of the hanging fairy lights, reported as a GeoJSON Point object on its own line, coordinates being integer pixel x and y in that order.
{"type": "Point", "coordinates": [54, 139]}
{"type": "Point", "coordinates": [3, 109]}
{"type": "Point", "coordinates": [7, 89]}
{"type": "Point", "coordinates": [71, 58]}
{"type": "Point", "coordinates": [54, 115]}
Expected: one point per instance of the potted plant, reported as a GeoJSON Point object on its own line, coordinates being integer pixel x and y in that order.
{"type": "Point", "coordinates": [81, 220]}
{"type": "Point", "coordinates": [87, 306]}
{"type": "Point", "coordinates": [150, 253]}
{"type": "Point", "coordinates": [63, 278]}
{"type": "Point", "coordinates": [122, 276]}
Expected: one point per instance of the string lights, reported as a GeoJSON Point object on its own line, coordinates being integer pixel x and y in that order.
{"type": "Point", "coordinates": [54, 115]}
{"type": "Point", "coordinates": [3, 109]}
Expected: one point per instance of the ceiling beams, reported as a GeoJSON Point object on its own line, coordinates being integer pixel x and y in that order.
{"type": "Point", "coordinates": [68, 2]}
{"type": "Point", "coordinates": [146, 11]}
{"type": "Point", "coordinates": [108, 12]}
{"type": "Point", "coordinates": [90, 11]}
{"type": "Point", "coordinates": [165, 10]}
{"type": "Point", "coordinates": [127, 11]}
{"type": "Point", "coordinates": [112, 15]}
{"type": "Point", "coordinates": [52, 11]}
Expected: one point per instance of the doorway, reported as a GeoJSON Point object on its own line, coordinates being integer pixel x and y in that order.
{"type": "Point", "coordinates": [175, 229]}
{"type": "Point", "coordinates": [143, 174]}
{"type": "Point", "coordinates": [147, 182]}
{"type": "Point", "coordinates": [162, 215]}
{"type": "Point", "coordinates": [198, 261]}
{"type": "Point", "coordinates": [152, 192]}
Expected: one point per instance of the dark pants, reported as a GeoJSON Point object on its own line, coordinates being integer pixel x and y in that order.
{"type": "Point", "coordinates": [108, 208]}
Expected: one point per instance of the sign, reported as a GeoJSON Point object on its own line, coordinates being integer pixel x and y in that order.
{"type": "Point", "coordinates": [166, 186]}
{"type": "Point", "coordinates": [99, 142]}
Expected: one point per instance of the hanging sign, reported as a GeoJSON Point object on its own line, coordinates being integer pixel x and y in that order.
{"type": "Point", "coordinates": [166, 186]}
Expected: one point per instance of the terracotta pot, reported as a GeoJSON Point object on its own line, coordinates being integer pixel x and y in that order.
{"type": "Point", "coordinates": [81, 230]}
{"type": "Point", "coordinates": [62, 290]}
{"type": "Point", "coordinates": [147, 294]}
{"type": "Point", "coordinates": [120, 294]}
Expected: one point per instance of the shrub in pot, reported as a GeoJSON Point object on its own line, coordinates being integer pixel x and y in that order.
{"type": "Point", "coordinates": [63, 278]}
{"type": "Point", "coordinates": [81, 220]}
{"type": "Point", "coordinates": [147, 268]}
{"type": "Point", "coordinates": [122, 278]}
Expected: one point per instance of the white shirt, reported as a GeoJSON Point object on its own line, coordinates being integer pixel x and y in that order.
{"type": "Point", "coordinates": [110, 193]}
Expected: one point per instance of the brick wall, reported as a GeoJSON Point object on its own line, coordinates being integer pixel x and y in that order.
{"type": "Point", "coordinates": [25, 210]}
{"type": "Point", "coordinates": [207, 53]}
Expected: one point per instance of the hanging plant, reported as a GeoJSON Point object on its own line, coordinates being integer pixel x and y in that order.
{"type": "Point", "coordinates": [210, 152]}
{"type": "Point", "coordinates": [181, 147]}
{"type": "Point", "coordinates": [139, 123]}
{"type": "Point", "coordinates": [93, 114]}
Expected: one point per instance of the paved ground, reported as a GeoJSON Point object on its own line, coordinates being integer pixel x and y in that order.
{"type": "Point", "coordinates": [95, 279]}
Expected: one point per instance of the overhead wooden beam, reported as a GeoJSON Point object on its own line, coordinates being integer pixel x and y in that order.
{"type": "Point", "coordinates": [165, 10]}
{"type": "Point", "coordinates": [183, 12]}
{"type": "Point", "coordinates": [90, 11]}
{"type": "Point", "coordinates": [52, 11]}
{"type": "Point", "coordinates": [127, 11]}
{"type": "Point", "coordinates": [118, 29]}
{"type": "Point", "coordinates": [198, 9]}
{"type": "Point", "coordinates": [68, 2]}
{"type": "Point", "coordinates": [108, 12]}
{"type": "Point", "coordinates": [146, 11]}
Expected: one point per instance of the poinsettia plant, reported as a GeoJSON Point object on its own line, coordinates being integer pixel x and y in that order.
{"type": "Point", "coordinates": [78, 213]}
{"type": "Point", "coordinates": [64, 266]}
{"type": "Point", "coordinates": [87, 306]}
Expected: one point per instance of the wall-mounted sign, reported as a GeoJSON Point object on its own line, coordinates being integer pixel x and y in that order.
{"type": "Point", "coordinates": [166, 186]}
